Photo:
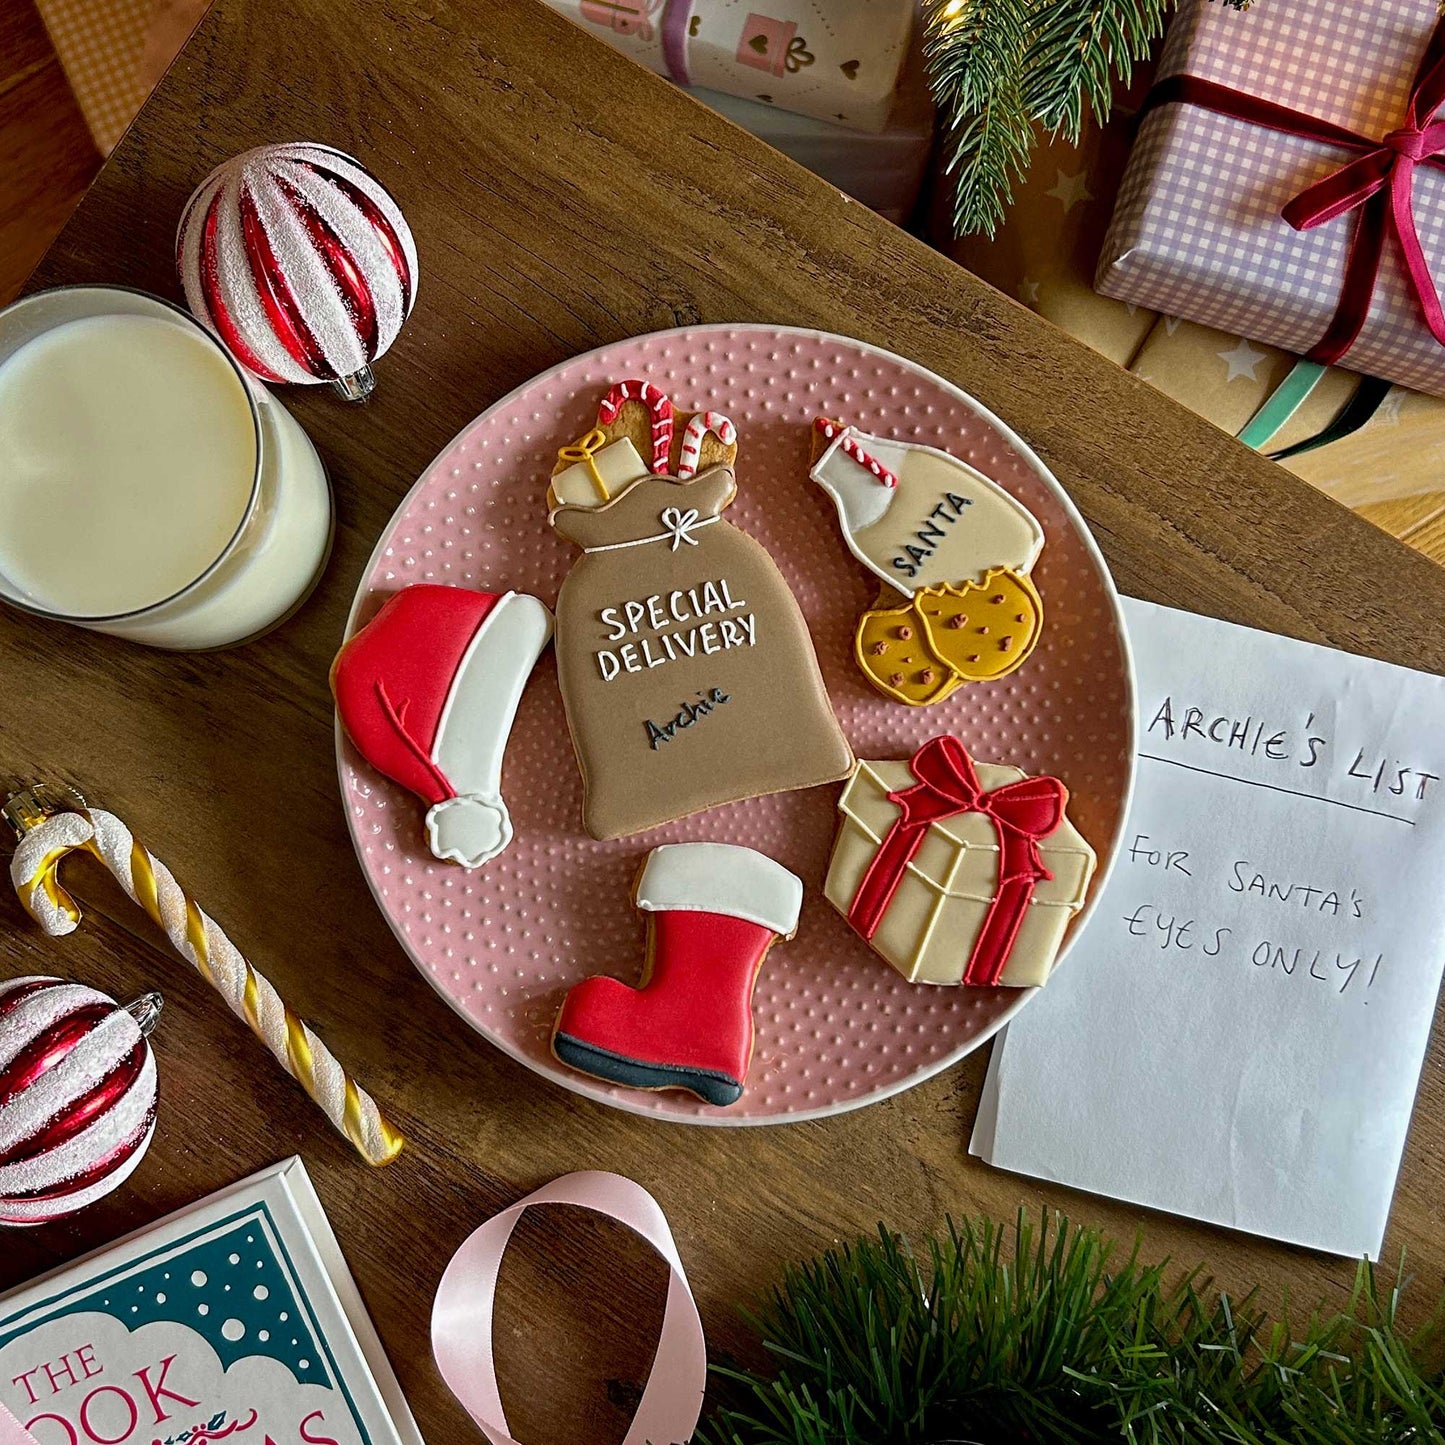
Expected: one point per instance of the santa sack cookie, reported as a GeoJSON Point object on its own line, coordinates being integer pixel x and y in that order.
{"type": "Point", "coordinates": [686, 667]}
{"type": "Point", "coordinates": [428, 691]}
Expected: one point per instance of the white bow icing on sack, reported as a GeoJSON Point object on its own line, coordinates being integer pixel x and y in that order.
{"type": "Point", "coordinates": [680, 525]}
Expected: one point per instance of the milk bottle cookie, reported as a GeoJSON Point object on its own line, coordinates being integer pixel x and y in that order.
{"type": "Point", "coordinates": [955, 551]}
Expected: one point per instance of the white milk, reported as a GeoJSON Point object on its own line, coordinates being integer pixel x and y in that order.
{"type": "Point", "coordinates": [129, 491]}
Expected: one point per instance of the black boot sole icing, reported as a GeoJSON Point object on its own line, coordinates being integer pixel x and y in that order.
{"type": "Point", "coordinates": [709, 1085]}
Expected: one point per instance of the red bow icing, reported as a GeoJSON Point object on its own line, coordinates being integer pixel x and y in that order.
{"type": "Point", "coordinates": [1022, 813]}
{"type": "Point", "coordinates": [1379, 183]}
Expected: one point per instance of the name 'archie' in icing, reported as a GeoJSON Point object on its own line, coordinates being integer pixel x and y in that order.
{"type": "Point", "coordinates": [686, 668]}
{"type": "Point", "coordinates": [954, 551]}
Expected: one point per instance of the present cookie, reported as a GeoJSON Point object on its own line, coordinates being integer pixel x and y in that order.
{"type": "Point", "coordinates": [958, 872]}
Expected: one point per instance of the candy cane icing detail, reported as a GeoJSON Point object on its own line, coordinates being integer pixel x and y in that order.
{"type": "Point", "coordinates": [830, 429]}
{"type": "Point", "coordinates": [659, 408]}
{"type": "Point", "coordinates": [701, 424]}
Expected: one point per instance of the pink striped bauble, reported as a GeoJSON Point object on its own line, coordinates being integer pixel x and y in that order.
{"type": "Point", "coordinates": [77, 1096]}
{"type": "Point", "coordinates": [299, 260]}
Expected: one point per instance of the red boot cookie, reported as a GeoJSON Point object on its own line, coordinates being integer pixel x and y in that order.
{"type": "Point", "coordinates": [713, 911]}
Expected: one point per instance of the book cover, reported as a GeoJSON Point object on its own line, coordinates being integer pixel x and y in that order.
{"type": "Point", "coordinates": [234, 1319]}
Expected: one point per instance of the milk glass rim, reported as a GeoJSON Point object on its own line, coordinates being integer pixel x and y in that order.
{"type": "Point", "coordinates": [94, 619]}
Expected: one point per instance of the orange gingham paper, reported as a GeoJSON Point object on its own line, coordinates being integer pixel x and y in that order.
{"type": "Point", "coordinates": [100, 44]}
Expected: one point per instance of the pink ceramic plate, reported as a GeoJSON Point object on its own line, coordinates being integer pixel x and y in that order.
{"type": "Point", "coordinates": [836, 1027]}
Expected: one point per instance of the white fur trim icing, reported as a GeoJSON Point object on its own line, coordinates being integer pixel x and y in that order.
{"type": "Point", "coordinates": [721, 878]}
{"type": "Point", "coordinates": [486, 690]}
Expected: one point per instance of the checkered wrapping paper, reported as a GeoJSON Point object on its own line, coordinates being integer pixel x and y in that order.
{"type": "Point", "coordinates": [100, 44]}
{"type": "Point", "coordinates": [1197, 230]}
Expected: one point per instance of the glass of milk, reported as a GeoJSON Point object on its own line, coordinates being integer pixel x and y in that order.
{"type": "Point", "coordinates": [148, 488]}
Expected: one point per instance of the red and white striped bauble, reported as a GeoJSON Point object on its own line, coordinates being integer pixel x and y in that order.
{"type": "Point", "coordinates": [77, 1096]}
{"type": "Point", "coordinates": [299, 260]}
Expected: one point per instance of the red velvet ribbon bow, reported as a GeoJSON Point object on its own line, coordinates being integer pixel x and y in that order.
{"type": "Point", "coordinates": [1378, 183]}
{"type": "Point", "coordinates": [1022, 813]}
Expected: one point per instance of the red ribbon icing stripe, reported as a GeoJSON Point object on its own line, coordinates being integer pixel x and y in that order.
{"type": "Point", "coordinates": [1378, 183]}
{"type": "Point", "coordinates": [1022, 813]}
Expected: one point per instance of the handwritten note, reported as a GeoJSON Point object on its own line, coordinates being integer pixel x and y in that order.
{"type": "Point", "coordinates": [1238, 1033]}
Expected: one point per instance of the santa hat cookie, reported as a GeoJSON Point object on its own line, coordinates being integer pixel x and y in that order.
{"type": "Point", "coordinates": [428, 691]}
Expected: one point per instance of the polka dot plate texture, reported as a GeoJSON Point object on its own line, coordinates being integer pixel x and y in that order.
{"type": "Point", "coordinates": [837, 1027]}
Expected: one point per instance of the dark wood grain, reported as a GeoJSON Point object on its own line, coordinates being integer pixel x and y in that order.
{"type": "Point", "coordinates": [563, 198]}
{"type": "Point", "coordinates": [47, 157]}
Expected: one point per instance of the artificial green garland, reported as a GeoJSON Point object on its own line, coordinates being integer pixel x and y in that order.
{"type": "Point", "coordinates": [999, 1336]}
{"type": "Point", "coordinates": [1004, 70]}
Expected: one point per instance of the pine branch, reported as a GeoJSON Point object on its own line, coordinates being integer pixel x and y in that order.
{"type": "Point", "coordinates": [1051, 1342]}
{"type": "Point", "coordinates": [975, 51]}
{"type": "Point", "coordinates": [1000, 69]}
{"type": "Point", "coordinates": [1076, 51]}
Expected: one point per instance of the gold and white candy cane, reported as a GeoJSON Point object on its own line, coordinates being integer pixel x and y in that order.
{"type": "Point", "coordinates": [48, 836]}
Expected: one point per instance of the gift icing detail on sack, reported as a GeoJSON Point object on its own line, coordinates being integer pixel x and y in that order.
{"type": "Point", "coordinates": [686, 667]}
{"type": "Point", "coordinates": [956, 871]}
{"type": "Point", "coordinates": [956, 547]}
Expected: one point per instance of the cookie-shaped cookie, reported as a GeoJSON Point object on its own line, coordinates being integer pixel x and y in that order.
{"type": "Point", "coordinates": [984, 629]}
{"type": "Point", "coordinates": [891, 646]}
{"type": "Point", "coordinates": [638, 432]}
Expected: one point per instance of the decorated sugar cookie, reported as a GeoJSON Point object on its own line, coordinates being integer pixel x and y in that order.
{"type": "Point", "coordinates": [686, 667]}
{"type": "Point", "coordinates": [428, 691]}
{"type": "Point", "coordinates": [713, 912]}
{"type": "Point", "coordinates": [892, 647]}
{"type": "Point", "coordinates": [958, 872]}
{"type": "Point", "coordinates": [954, 546]}
{"type": "Point", "coordinates": [983, 629]}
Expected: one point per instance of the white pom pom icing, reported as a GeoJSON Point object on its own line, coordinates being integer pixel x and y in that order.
{"type": "Point", "coordinates": [469, 829]}
{"type": "Point", "coordinates": [299, 261]}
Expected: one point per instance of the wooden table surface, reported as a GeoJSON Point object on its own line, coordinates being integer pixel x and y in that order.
{"type": "Point", "coordinates": [562, 198]}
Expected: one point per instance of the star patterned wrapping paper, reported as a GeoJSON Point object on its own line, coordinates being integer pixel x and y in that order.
{"type": "Point", "coordinates": [835, 60]}
{"type": "Point", "coordinates": [1045, 255]}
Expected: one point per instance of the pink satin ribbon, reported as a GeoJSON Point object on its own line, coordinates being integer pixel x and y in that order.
{"type": "Point", "coordinates": [12, 1432]}
{"type": "Point", "coordinates": [462, 1316]}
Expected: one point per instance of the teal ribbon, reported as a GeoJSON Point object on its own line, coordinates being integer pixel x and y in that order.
{"type": "Point", "coordinates": [1281, 404]}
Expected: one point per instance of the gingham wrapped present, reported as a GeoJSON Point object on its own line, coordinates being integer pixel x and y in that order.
{"type": "Point", "coordinates": [1294, 114]}
{"type": "Point", "coordinates": [835, 60]}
